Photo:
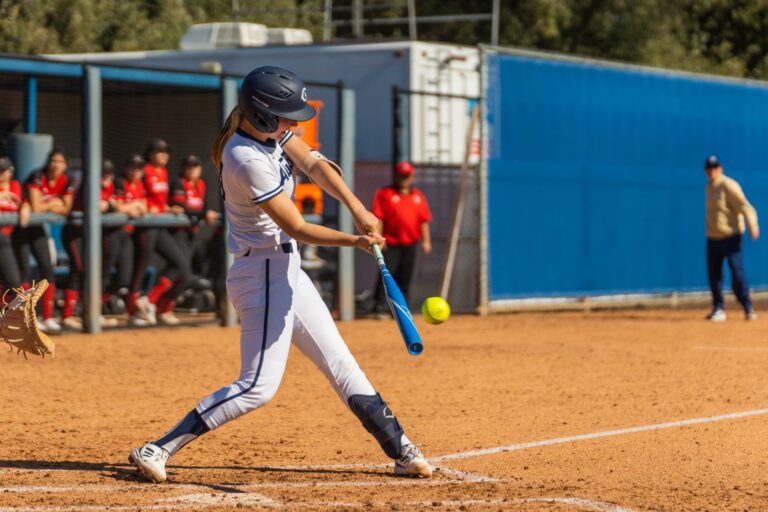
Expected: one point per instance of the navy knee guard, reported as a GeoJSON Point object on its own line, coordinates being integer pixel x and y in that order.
{"type": "Point", "coordinates": [379, 420]}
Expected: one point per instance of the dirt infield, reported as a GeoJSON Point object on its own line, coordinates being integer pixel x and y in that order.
{"type": "Point", "coordinates": [610, 411]}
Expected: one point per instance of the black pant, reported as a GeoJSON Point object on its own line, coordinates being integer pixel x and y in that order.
{"type": "Point", "coordinates": [72, 238]}
{"type": "Point", "coordinates": [118, 253]}
{"type": "Point", "coordinates": [32, 240]}
{"type": "Point", "coordinates": [401, 262]}
{"type": "Point", "coordinates": [158, 246]}
{"type": "Point", "coordinates": [9, 268]}
{"type": "Point", "coordinates": [730, 249]}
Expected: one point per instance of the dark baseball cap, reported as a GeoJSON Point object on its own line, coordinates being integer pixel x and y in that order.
{"type": "Point", "coordinates": [158, 146]}
{"type": "Point", "coordinates": [135, 161]}
{"type": "Point", "coordinates": [712, 161]}
{"type": "Point", "coordinates": [191, 161]}
{"type": "Point", "coordinates": [5, 164]}
{"type": "Point", "coordinates": [107, 167]}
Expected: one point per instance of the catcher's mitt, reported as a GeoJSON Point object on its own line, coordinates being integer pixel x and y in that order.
{"type": "Point", "coordinates": [18, 322]}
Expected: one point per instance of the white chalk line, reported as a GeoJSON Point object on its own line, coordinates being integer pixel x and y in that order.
{"type": "Point", "coordinates": [457, 456]}
{"type": "Point", "coordinates": [711, 348]}
{"type": "Point", "coordinates": [598, 435]}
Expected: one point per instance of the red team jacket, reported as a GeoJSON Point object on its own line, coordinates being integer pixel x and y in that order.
{"type": "Point", "coordinates": [156, 184]}
{"type": "Point", "coordinates": [107, 193]}
{"type": "Point", "coordinates": [190, 196]}
{"type": "Point", "coordinates": [127, 191]}
{"type": "Point", "coordinates": [9, 206]}
{"type": "Point", "coordinates": [60, 187]}
{"type": "Point", "coordinates": [402, 214]}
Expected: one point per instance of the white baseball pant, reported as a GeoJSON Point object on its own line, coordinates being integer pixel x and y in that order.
{"type": "Point", "coordinates": [278, 303]}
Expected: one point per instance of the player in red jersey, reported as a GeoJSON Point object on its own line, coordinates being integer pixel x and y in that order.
{"type": "Point", "coordinates": [157, 245]}
{"type": "Point", "coordinates": [188, 196]}
{"type": "Point", "coordinates": [117, 241]}
{"type": "Point", "coordinates": [131, 198]}
{"type": "Point", "coordinates": [10, 202]}
{"type": "Point", "coordinates": [47, 190]}
{"type": "Point", "coordinates": [202, 241]}
{"type": "Point", "coordinates": [404, 218]}
{"type": "Point", "coordinates": [72, 238]}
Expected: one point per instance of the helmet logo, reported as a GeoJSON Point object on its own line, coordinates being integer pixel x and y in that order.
{"type": "Point", "coordinates": [304, 94]}
{"type": "Point", "coordinates": [257, 100]}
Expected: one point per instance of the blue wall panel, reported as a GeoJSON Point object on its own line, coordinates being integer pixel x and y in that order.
{"type": "Point", "coordinates": [595, 178]}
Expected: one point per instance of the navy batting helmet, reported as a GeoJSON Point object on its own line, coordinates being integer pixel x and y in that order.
{"type": "Point", "coordinates": [269, 93]}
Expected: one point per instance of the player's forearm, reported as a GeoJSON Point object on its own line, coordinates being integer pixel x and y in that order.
{"type": "Point", "coordinates": [426, 235]}
{"type": "Point", "coordinates": [316, 234]}
{"type": "Point", "coordinates": [333, 184]}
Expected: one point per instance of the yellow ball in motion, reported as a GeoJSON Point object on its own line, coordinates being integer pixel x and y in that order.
{"type": "Point", "coordinates": [435, 310]}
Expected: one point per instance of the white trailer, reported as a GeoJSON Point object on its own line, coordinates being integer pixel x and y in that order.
{"type": "Point", "coordinates": [372, 70]}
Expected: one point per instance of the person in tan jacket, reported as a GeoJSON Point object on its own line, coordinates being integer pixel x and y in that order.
{"type": "Point", "coordinates": [728, 211]}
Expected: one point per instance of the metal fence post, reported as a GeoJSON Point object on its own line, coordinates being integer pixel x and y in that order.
{"type": "Point", "coordinates": [92, 131]}
{"type": "Point", "coordinates": [483, 186]}
{"type": "Point", "coordinates": [228, 102]}
{"type": "Point", "coordinates": [347, 162]}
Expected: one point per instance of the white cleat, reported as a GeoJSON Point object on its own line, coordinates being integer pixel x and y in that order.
{"type": "Point", "coordinates": [412, 462]}
{"type": "Point", "coordinates": [146, 310]}
{"type": "Point", "coordinates": [49, 325]}
{"type": "Point", "coordinates": [135, 321]}
{"type": "Point", "coordinates": [716, 315]}
{"type": "Point", "coordinates": [168, 318]}
{"type": "Point", "coordinates": [150, 460]}
{"type": "Point", "coordinates": [750, 316]}
{"type": "Point", "coordinates": [72, 324]}
{"type": "Point", "coordinates": [108, 322]}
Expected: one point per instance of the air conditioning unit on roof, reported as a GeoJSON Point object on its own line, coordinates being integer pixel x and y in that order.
{"type": "Point", "coordinates": [206, 36]}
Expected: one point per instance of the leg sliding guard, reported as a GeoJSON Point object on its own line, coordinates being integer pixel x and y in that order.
{"type": "Point", "coordinates": [379, 420]}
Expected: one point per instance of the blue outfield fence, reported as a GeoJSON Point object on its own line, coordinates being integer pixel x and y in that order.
{"type": "Point", "coordinates": [595, 181]}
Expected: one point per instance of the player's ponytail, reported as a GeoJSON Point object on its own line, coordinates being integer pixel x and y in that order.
{"type": "Point", "coordinates": [226, 131]}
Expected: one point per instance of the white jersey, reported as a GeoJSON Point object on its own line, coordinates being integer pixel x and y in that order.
{"type": "Point", "coordinates": [253, 172]}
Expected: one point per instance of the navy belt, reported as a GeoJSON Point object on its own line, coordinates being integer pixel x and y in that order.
{"type": "Point", "coordinates": [287, 248]}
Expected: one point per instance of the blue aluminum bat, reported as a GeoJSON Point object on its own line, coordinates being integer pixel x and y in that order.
{"type": "Point", "coordinates": [399, 307]}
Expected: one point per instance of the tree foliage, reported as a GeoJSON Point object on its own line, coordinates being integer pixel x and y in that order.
{"type": "Point", "coordinates": [718, 36]}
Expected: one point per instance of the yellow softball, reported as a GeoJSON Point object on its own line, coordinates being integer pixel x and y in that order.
{"type": "Point", "coordinates": [435, 310]}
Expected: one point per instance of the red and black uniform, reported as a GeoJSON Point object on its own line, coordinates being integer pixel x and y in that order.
{"type": "Point", "coordinates": [402, 216]}
{"type": "Point", "coordinates": [72, 239]}
{"type": "Point", "coordinates": [200, 241]}
{"type": "Point", "coordinates": [156, 183]}
{"type": "Point", "coordinates": [190, 196]}
{"type": "Point", "coordinates": [157, 247]}
{"type": "Point", "coordinates": [34, 239]}
{"type": "Point", "coordinates": [9, 268]}
{"type": "Point", "coordinates": [118, 249]}
{"type": "Point", "coordinates": [132, 191]}
{"type": "Point", "coordinates": [117, 253]}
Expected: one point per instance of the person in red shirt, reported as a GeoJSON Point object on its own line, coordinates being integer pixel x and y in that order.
{"type": "Point", "coordinates": [72, 239]}
{"type": "Point", "coordinates": [158, 245]}
{"type": "Point", "coordinates": [404, 216]}
{"type": "Point", "coordinates": [117, 241]}
{"type": "Point", "coordinates": [131, 199]}
{"type": "Point", "coordinates": [188, 196]}
{"type": "Point", "coordinates": [47, 190]}
{"type": "Point", "coordinates": [10, 202]}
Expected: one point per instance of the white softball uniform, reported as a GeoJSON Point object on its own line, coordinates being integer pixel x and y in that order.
{"type": "Point", "coordinates": [277, 302]}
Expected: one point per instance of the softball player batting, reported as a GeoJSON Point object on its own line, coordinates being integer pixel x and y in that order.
{"type": "Point", "coordinates": [276, 301]}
